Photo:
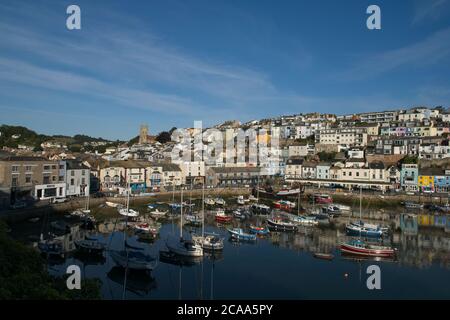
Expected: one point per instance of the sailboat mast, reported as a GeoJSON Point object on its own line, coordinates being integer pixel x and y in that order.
{"type": "Point", "coordinates": [203, 211]}
{"type": "Point", "coordinates": [298, 203]}
{"type": "Point", "coordinates": [181, 212]}
{"type": "Point", "coordinates": [360, 210]}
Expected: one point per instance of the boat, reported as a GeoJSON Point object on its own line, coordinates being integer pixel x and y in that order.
{"type": "Point", "coordinates": [322, 198]}
{"type": "Point", "coordinates": [284, 205]}
{"type": "Point", "coordinates": [359, 247]}
{"type": "Point", "coordinates": [209, 201]}
{"type": "Point", "coordinates": [193, 219]}
{"type": "Point", "coordinates": [129, 212]}
{"type": "Point", "coordinates": [239, 234]}
{"type": "Point", "coordinates": [112, 204]}
{"type": "Point", "coordinates": [288, 192]}
{"type": "Point", "coordinates": [324, 256]}
{"type": "Point", "coordinates": [132, 259]}
{"type": "Point", "coordinates": [412, 205]}
{"type": "Point", "coordinates": [303, 220]}
{"type": "Point", "coordinates": [222, 217]}
{"type": "Point", "coordinates": [90, 246]}
{"type": "Point", "coordinates": [209, 242]}
{"type": "Point", "coordinates": [261, 209]}
{"type": "Point", "coordinates": [239, 214]}
{"type": "Point", "coordinates": [144, 236]}
{"type": "Point", "coordinates": [363, 229]}
{"type": "Point", "coordinates": [240, 200]}
{"type": "Point", "coordinates": [51, 247]}
{"type": "Point", "coordinates": [259, 230]}
{"type": "Point", "coordinates": [342, 207]}
{"type": "Point", "coordinates": [184, 247]}
{"type": "Point", "coordinates": [157, 214]}
{"type": "Point", "coordinates": [219, 201]}
{"type": "Point", "coordinates": [279, 224]}
{"type": "Point", "coordinates": [332, 210]}
{"type": "Point", "coordinates": [144, 227]}
{"type": "Point", "coordinates": [252, 198]}
{"type": "Point", "coordinates": [171, 258]}
{"type": "Point", "coordinates": [60, 226]}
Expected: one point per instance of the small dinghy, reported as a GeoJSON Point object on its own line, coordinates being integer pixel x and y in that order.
{"type": "Point", "coordinates": [129, 212]}
{"type": "Point", "coordinates": [259, 230]}
{"type": "Point", "coordinates": [324, 256]}
{"type": "Point", "coordinates": [112, 204]}
{"type": "Point", "coordinates": [219, 201]}
{"type": "Point", "coordinates": [158, 214]}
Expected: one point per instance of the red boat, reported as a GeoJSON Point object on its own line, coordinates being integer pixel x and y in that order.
{"type": "Point", "coordinates": [284, 205]}
{"type": "Point", "coordinates": [322, 199]}
{"type": "Point", "coordinates": [359, 247]}
{"type": "Point", "coordinates": [222, 217]}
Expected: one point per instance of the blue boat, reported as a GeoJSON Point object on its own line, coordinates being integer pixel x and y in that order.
{"type": "Point", "coordinates": [239, 234]}
{"type": "Point", "coordinates": [361, 229]}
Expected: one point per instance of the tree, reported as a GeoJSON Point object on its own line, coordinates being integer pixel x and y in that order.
{"type": "Point", "coordinates": [164, 137]}
{"type": "Point", "coordinates": [23, 275]}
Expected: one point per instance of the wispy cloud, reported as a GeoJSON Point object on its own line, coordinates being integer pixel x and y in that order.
{"type": "Point", "coordinates": [430, 10]}
{"type": "Point", "coordinates": [425, 53]}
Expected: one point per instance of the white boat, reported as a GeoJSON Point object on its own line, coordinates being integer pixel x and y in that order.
{"type": "Point", "coordinates": [157, 213]}
{"type": "Point", "coordinates": [343, 207]}
{"type": "Point", "coordinates": [288, 192]}
{"type": "Point", "coordinates": [303, 220]}
{"type": "Point", "coordinates": [241, 200]}
{"type": "Point", "coordinates": [209, 201]}
{"type": "Point", "coordinates": [112, 204]}
{"type": "Point", "coordinates": [129, 212]}
{"type": "Point", "coordinates": [252, 198]}
{"type": "Point", "coordinates": [183, 247]}
{"type": "Point", "coordinates": [219, 201]}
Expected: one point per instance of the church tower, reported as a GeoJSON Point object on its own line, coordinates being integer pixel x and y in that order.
{"type": "Point", "coordinates": [143, 134]}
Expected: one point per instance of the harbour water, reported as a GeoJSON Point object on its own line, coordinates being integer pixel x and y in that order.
{"type": "Point", "coordinates": [277, 266]}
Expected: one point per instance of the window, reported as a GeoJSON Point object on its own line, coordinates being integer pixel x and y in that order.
{"type": "Point", "coordinates": [46, 179]}
{"type": "Point", "coordinates": [72, 173]}
{"type": "Point", "coordinates": [83, 172]}
{"type": "Point", "coordinates": [14, 181]}
{"type": "Point", "coordinates": [61, 178]}
{"type": "Point", "coordinates": [54, 166]}
{"type": "Point", "coordinates": [28, 168]}
{"type": "Point", "coordinates": [28, 178]}
{"type": "Point", "coordinates": [46, 168]}
{"type": "Point", "coordinates": [72, 182]}
{"type": "Point", "coordinates": [15, 168]}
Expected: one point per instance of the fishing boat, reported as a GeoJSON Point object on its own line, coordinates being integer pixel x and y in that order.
{"type": "Point", "coordinates": [239, 234]}
{"type": "Point", "coordinates": [279, 224]}
{"type": "Point", "coordinates": [193, 219]}
{"type": "Point", "coordinates": [322, 198]}
{"type": "Point", "coordinates": [412, 205]}
{"type": "Point", "coordinates": [288, 192]}
{"type": "Point", "coordinates": [158, 214]}
{"type": "Point", "coordinates": [359, 247]}
{"type": "Point", "coordinates": [259, 230]}
{"type": "Point", "coordinates": [324, 256]}
{"type": "Point", "coordinates": [211, 241]}
{"type": "Point", "coordinates": [222, 217]}
{"type": "Point", "coordinates": [129, 212]}
{"type": "Point", "coordinates": [219, 201]}
{"type": "Point", "coordinates": [284, 205]}
{"type": "Point", "coordinates": [303, 220]}
{"type": "Point", "coordinates": [240, 200]}
{"type": "Point", "coordinates": [239, 214]}
{"type": "Point", "coordinates": [260, 209]}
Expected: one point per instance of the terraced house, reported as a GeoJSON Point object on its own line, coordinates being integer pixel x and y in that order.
{"type": "Point", "coordinates": [30, 177]}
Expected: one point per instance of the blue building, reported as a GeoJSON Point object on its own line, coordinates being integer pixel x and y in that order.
{"type": "Point", "coordinates": [409, 177]}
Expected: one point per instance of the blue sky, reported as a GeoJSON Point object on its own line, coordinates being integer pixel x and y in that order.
{"type": "Point", "coordinates": [168, 63]}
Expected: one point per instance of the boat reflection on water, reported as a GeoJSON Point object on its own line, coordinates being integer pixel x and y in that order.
{"type": "Point", "coordinates": [351, 257]}
{"type": "Point", "coordinates": [178, 260]}
{"type": "Point", "coordinates": [139, 283]}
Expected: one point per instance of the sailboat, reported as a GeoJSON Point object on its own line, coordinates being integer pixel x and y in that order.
{"type": "Point", "coordinates": [132, 257]}
{"type": "Point", "coordinates": [127, 211]}
{"type": "Point", "coordinates": [360, 247]}
{"type": "Point", "coordinates": [184, 247]}
{"type": "Point", "coordinates": [207, 241]}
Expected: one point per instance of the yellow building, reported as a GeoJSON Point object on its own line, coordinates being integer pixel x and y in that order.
{"type": "Point", "coordinates": [425, 182]}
